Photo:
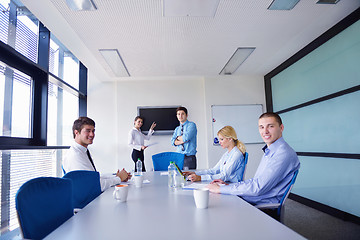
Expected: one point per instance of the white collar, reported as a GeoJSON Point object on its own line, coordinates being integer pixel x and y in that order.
{"type": "Point", "coordinates": [79, 146]}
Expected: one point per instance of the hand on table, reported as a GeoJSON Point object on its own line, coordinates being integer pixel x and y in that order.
{"type": "Point", "coordinates": [213, 187]}
{"type": "Point", "coordinates": [187, 173]}
{"type": "Point", "coordinates": [128, 177]}
{"type": "Point", "coordinates": [218, 181]}
{"type": "Point", "coordinates": [194, 178]}
{"type": "Point", "coordinates": [123, 175]}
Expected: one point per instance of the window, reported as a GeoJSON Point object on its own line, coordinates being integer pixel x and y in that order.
{"type": "Point", "coordinates": [35, 127]}
{"type": "Point", "coordinates": [17, 167]}
{"type": "Point", "coordinates": [20, 29]}
{"type": "Point", "coordinates": [63, 94]}
{"type": "Point", "coordinates": [4, 20]}
{"type": "Point", "coordinates": [15, 102]}
{"type": "Point", "coordinates": [62, 111]}
{"type": "Point", "coordinates": [63, 64]}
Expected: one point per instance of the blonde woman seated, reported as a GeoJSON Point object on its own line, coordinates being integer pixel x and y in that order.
{"type": "Point", "coordinates": [230, 167]}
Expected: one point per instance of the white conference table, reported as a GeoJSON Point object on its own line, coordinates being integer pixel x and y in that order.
{"type": "Point", "coordinates": [157, 212]}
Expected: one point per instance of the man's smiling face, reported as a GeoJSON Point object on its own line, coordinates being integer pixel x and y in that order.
{"type": "Point", "coordinates": [270, 130]}
{"type": "Point", "coordinates": [86, 136]}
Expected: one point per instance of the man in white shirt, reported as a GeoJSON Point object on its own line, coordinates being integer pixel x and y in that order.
{"type": "Point", "coordinates": [79, 158]}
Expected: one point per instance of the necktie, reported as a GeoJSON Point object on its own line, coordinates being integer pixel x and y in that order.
{"type": "Point", "coordinates": [181, 132]}
{"type": "Point", "coordinates": [91, 161]}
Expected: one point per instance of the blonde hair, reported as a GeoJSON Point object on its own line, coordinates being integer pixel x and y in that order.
{"type": "Point", "coordinates": [229, 132]}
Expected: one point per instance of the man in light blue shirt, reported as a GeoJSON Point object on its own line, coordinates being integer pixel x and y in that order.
{"type": "Point", "coordinates": [275, 170]}
{"type": "Point", "coordinates": [184, 138]}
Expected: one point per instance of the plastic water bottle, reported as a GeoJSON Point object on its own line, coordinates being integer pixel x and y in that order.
{"type": "Point", "coordinates": [138, 167]}
{"type": "Point", "coordinates": [172, 175]}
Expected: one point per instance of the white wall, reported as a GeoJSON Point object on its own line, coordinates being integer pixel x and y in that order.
{"type": "Point", "coordinates": [102, 109]}
{"type": "Point", "coordinates": [113, 105]}
{"type": "Point", "coordinates": [233, 90]}
{"type": "Point", "coordinates": [130, 94]}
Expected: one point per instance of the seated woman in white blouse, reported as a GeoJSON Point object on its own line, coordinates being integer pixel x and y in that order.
{"type": "Point", "coordinates": [230, 167]}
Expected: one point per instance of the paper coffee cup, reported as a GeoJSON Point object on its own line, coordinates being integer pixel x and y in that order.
{"type": "Point", "coordinates": [201, 197]}
{"type": "Point", "coordinates": [138, 179]}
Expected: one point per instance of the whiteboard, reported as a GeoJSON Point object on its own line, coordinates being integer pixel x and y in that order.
{"type": "Point", "coordinates": [243, 118]}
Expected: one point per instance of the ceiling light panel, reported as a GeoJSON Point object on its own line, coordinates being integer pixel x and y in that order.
{"type": "Point", "coordinates": [81, 5]}
{"type": "Point", "coordinates": [327, 1]}
{"type": "Point", "coordinates": [114, 60]}
{"type": "Point", "coordinates": [240, 55]}
{"type": "Point", "coordinates": [283, 4]}
{"type": "Point", "coordinates": [190, 8]}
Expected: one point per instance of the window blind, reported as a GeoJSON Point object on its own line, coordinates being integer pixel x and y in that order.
{"type": "Point", "coordinates": [23, 165]}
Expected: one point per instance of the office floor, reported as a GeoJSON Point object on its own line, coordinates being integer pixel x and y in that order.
{"type": "Point", "coordinates": [316, 225]}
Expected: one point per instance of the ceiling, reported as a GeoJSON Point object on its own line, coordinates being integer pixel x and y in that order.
{"type": "Point", "coordinates": [152, 45]}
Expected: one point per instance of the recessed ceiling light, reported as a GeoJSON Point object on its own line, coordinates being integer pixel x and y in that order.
{"type": "Point", "coordinates": [327, 1]}
{"type": "Point", "coordinates": [114, 60]}
{"type": "Point", "coordinates": [81, 5]}
{"type": "Point", "coordinates": [190, 8]}
{"type": "Point", "coordinates": [239, 56]}
{"type": "Point", "coordinates": [283, 4]}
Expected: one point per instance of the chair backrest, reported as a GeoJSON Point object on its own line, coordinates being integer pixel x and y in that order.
{"type": "Point", "coordinates": [246, 157]}
{"type": "Point", "coordinates": [86, 186]}
{"type": "Point", "coordinates": [280, 210]}
{"type": "Point", "coordinates": [162, 160]}
{"type": "Point", "coordinates": [42, 205]}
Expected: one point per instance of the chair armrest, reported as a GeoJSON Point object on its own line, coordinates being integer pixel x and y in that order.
{"type": "Point", "coordinates": [268, 206]}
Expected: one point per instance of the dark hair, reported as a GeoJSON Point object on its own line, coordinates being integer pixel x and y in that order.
{"type": "Point", "coordinates": [138, 117]}
{"type": "Point", "coordinates": [182, 109]}
{"type": "Point", "coordinates": [271, 114]}
{"type": "Point", "coordinates": [80, 122]}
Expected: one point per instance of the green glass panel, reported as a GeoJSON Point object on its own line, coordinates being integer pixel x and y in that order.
{"type": "Point", "coordinates": [329, 126]}
{"type": "Point", "coordinates": [330, 68]}
{"type": "Point", "coordinates": [331, 181]}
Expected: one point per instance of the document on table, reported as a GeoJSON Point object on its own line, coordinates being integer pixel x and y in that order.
{"type": "Point", "coordinates": [195, 186]}
{"type": "Point", "coordinates": [132, 181]}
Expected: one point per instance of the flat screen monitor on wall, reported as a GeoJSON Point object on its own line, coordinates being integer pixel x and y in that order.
{"type": "Point", "coordinates": [165, 118]}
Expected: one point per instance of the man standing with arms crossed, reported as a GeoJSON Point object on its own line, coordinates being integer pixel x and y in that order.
{"type": "Point", "coordinates": [184, 138]}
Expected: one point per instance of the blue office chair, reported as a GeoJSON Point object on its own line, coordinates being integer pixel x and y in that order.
{"type": "Point", "coordinates": [246, 157]}
{"type": "Point", "coordinates": [42, 205]}
{"type": "Point", "coordinates": [86, 187]}
{"type": "Point", "coordinates": [280, 206]}
{"type": "Point", "coordinates": [162, 160]}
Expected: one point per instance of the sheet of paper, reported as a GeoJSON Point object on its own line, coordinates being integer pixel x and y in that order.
{"type": "Point", "coordinates": [192, 186]}
{"type": "Point", "coordinates": [164, 173]}
{"type": "Point", "coordinates": [197, 185]}
{"type": "Point", "coordinates": [131, 181]}
{"type": "Point", "coordinates": [151, 144]}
